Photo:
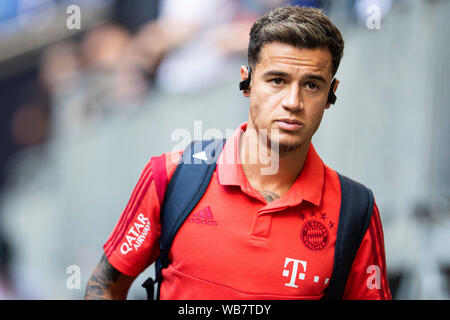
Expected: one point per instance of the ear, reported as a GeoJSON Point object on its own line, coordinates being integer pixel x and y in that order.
{"type": "Point", "coordinates": [244, 76]}
{"type": "Point", "coordinates": [327, 106]}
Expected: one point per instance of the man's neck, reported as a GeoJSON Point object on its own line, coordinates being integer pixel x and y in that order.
{"type": "Point", "coordinates": [288, 164]}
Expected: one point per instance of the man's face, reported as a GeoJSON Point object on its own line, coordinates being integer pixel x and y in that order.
{"type": "Point", "coordinates": [289, 92]}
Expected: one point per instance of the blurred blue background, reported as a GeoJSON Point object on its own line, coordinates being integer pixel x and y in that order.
{"type": "Point", "coordinates": [84, 106]}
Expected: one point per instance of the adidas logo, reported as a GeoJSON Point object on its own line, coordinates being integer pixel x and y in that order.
{"type": "Point", "coordinates": [204, 216]}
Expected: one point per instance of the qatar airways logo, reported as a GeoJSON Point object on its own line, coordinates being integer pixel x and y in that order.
{"type": "Point", "coordinates": [136, 235]}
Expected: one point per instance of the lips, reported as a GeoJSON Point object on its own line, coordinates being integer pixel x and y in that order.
{"type": "Point", "coordinates": [289, 124]}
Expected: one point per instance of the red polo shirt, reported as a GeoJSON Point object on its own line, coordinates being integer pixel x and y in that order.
{"type": "Point", "coordinates": [235, 245]}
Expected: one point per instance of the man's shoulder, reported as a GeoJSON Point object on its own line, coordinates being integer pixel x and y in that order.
{"type": "Point", "coordinates": [173, 157]}
{"type": "Point", "coordinates": [169, 160]}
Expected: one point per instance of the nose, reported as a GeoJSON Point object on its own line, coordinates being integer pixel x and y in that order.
{"type": "Point", "coordinates": [292, 99]}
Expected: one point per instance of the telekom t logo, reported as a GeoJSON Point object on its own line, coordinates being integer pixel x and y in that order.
{"type": "Point", "coordinates": [293, 271]}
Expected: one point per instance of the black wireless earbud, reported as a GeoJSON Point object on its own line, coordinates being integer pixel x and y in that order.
{"type": "Point", "coordinates": [245, 84]}
{"type": "Point", "coordinates": [331, 96]}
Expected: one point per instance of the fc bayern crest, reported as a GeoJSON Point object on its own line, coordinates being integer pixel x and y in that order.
{"type": "Point", "coordinates": [315, 235]}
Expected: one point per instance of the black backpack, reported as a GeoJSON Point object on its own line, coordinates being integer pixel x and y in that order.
{"type": "Point", "coordinates": [192, 177]}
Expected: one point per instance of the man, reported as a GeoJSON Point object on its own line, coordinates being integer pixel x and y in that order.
{"type": "Point", "coordinates": [254, 235]}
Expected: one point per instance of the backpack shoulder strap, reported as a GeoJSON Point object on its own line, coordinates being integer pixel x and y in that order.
{"type": "Point", "coordinates": [184, 191]}
{"type": "Point", "coordinates": [186, 188]}
{"type": "Point", "coordinates": [357, 204]}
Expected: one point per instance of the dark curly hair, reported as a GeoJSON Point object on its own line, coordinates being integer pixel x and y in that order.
{"type": "Point", "coordinates": [302, 27]}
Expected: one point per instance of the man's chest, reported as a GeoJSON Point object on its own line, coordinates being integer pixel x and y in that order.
{"type": "Point", "coordinates": [232, 240]}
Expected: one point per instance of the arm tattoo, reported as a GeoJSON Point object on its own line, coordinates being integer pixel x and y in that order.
{"type": "Point", "coordinates": [269, 195]}
{"type": "Point", "coordinates": [101, 280]}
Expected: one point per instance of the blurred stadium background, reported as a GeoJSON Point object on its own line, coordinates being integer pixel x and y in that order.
{"type": "Point", "coordinates": [83, 109]}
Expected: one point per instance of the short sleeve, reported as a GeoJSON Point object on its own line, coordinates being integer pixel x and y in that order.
{"type": "Point", "coordinates": [134, 242]}
{"type": "Point", "coordinates": [368, 278]}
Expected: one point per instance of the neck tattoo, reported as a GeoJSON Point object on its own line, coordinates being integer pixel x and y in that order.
{"type": "Point", "coordinates": [269, 195]}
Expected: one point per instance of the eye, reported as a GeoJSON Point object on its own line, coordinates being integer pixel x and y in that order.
{"type": "Point", "coordinates": [312, 86]}
{"type": "Point", "coordinates": [277, 81]}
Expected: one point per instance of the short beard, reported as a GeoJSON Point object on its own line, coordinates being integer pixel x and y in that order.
{"type": "Point", "coordinates": [287, 148]}
{"type": "Point", "coordinates": [283, 149]}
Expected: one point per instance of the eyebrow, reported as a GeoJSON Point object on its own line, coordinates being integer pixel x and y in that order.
{"type": "Point", "coordinates": [314, 77]}
{"type": "Point", "coordinates": [275, 73]}
{"type": "Point", "coordinates": [309, 76]}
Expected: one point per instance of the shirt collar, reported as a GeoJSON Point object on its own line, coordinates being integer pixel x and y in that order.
{"type": "Point", "coordinates": [308, 186]}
